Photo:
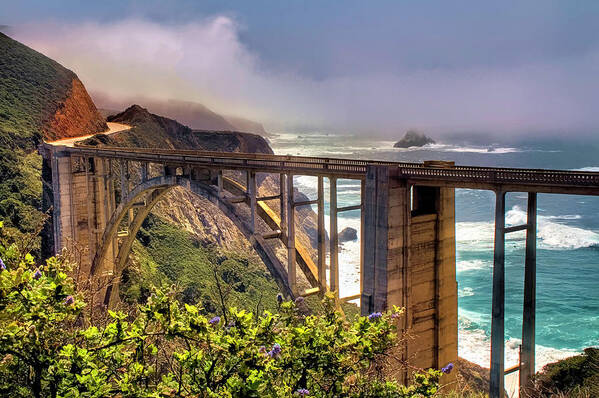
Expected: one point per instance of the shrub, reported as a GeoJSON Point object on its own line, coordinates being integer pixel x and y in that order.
{"type": "Point", "coordinates": [577, 376]}
{"type": "Point", "coordinates": [168, 348]}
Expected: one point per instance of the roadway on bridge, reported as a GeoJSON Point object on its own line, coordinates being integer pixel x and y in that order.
{"type": "Point", "coordinates": [112, 129]}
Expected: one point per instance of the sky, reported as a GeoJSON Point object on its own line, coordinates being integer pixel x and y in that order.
{"type": "Point", "coordinates": [507, 69]}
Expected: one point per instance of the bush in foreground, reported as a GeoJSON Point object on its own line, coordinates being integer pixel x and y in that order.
{"type": "Point", "coordinates": [576, 377]}
{"type": "Point", "coordinates": [167, 348]}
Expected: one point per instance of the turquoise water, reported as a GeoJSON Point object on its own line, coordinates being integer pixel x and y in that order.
{"type": "Point", "coordinates": [568, 241]}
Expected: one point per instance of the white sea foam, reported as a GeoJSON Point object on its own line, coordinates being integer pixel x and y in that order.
{"type": "Point", "coordinates": [471, 265]}
{"type": "Point", "coordinates": [466, 292]}
{"type": "Point", "coordinates": [475, 346]}
{"type": "Point", "coordinates": [475, 236]}
{"type": "Point", "coordinates": [564, 217]}
{"type": "Point", "coordinates": [552, 235]}
{"type": "Point", "coordinates": [559, 236]}
{"type": "Point", "coordinates": [462, 149]}
{"type": "Point", "coordinates": [349, 258]}
{"type": "Point", "coordinates": [592, 168]}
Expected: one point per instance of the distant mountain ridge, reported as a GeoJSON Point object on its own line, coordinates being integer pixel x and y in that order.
{"type": "Point", "coordinates": [192, 114]}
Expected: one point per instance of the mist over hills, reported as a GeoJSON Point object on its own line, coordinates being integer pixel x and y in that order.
{"type": "Point", "coordinates": [192, 114]}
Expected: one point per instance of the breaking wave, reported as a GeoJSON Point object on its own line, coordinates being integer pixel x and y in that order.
{"type": "Point", "coordinates": [462, 149]}
{"type": "Point", "coordinates": [551, 235]}
{"type": "Point", "coordinates": [587, 169]}
{"type": "Point", "coordinates": [471, 265]}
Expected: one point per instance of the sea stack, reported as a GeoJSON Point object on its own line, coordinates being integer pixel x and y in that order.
{"type": "Point", "coordinates": [413, 138]}
{"type": "Point", "coordinates": [348, 234]}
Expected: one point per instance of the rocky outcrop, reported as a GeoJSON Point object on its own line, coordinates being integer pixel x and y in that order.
{"type": "Point", "coordinates": [413, 138]}
{"type": "Point", "coordinates": [75, 116]}
{"type": "Point", "coordinates": [348, 234]}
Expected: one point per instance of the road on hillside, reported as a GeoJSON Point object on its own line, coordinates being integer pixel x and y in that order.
{"type": "Point", "coordinates": [112, 128]}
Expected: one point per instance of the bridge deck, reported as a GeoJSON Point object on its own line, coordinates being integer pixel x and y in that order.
{"type": "Point", "coordinates": [489, 178]}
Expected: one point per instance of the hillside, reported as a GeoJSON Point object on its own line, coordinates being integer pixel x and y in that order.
{"type": "Point", "coordinates": [39, 98]}
{"type": "Point", "coordinates": [153, 131]}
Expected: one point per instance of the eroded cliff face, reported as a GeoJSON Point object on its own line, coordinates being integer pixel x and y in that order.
{"type": "Point", "coordinates": [201, 218]}
{"type": "Point", "coordinates": [75, 116]}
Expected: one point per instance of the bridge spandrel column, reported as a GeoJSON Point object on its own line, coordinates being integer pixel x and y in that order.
{"type": "Point", "coordinates": [63, 206]}
{"type": "Point", "coordinates": [101, 211]}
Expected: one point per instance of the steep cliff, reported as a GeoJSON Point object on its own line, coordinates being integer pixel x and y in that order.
{"type": "Point", "coordinates": [39, 98]}
{"type": "Point", "coordinates": [76, 115]}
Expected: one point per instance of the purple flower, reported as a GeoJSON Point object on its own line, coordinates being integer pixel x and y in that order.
{"type": "Point", "coordinates": [448, 368]}
{"type": "Point", "coordinates": [280, 298]}
{"type": "Point", "coordinates": [276, 351]}
{"type": "Point", "coordinates": [375, 316]}
{"type": "Point", "coordinates": [214, 320]}
{"type": "Point", "coordinates": [395, 315]}
{"type": "Point", "coordinates": [262, 350]}
{"type": "Point", "coordinates": [37, 274]}
{"type": "Point", "coordinates": [302, 392]}
{"type": "Point", "coordinates": [69, 300]}
{"type": "Point", "coordinates": [299, 300]}
{"type": "Point", "coordinates": [2, 266]}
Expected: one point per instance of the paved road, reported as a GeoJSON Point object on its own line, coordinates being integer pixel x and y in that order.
{"type": "Point", "coordinates": [112, 128]}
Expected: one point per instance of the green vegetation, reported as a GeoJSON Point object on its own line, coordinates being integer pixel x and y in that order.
{"type": "Point", "coordinates": [576, 377]}
{"type": "Point", "coordinates": [167, 255]}
{"type": "Point", "coordinates": [165, 348]}
{"type": "Point", "coordinates": [21, 192]}
{"type": "Point", "coordinates": [31, 87]}
{"type": "Point", "coordinates": [455, 394]}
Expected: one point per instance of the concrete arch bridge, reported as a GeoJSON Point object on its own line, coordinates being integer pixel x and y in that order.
{"type": "Point", "coordinates": [100, 197]}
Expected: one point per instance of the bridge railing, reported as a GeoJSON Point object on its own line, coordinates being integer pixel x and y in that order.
{"type": "Point", "coordinates": [507, 176]}
{"type": "Point", "coordinates": [350, 168]}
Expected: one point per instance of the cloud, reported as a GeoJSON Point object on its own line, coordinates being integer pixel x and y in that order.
{"type": "Point", "coordinates": [206, 61]}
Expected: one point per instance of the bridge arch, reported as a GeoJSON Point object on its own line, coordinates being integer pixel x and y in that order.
{"type": "Point", "coordinates": [145, 196]}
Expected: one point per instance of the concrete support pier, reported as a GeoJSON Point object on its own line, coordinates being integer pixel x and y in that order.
{"type": "Point", "coordinates": [409, 261]}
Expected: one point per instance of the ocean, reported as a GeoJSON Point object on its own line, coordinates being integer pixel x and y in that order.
{"type": "Point", "coordinates": [567, 247]}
